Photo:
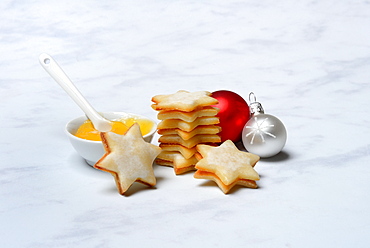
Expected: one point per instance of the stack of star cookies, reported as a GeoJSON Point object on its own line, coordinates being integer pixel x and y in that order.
{"type": "Point", "coordinates": [187, 119]}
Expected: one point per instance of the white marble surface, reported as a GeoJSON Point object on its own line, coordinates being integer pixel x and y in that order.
{"type": "Point", "coordinates": [308, 62]}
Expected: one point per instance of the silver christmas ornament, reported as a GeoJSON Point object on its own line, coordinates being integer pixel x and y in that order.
{"type": "Point", "coordinates": [264, 134]}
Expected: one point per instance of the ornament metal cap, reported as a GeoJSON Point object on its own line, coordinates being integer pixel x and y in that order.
{"type": "Point", "coordinates": [255, 107]}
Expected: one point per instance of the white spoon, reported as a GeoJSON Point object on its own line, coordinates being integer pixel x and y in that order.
{"type": "Point", "coordinates": [50, 65]}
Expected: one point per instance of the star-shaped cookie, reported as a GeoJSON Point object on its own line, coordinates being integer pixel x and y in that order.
{"type": "Point", "coordinates": [183, 101]}
{"type": "Point", "coordinates": [227, 166]}
{"type": "Point", "coordinates": [129, 158]}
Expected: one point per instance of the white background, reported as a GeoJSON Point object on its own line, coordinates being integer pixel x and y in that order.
{"type": "Point", "coordinates": [308, 62]}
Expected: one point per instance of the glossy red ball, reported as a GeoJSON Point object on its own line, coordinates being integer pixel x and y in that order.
{"type": "Point", "coordinates": [234, 113]}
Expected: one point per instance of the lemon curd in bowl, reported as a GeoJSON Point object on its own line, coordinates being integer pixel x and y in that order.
{"type": "Point", "coordinates": [89, 145]}
{"type": "Point", "coordinates": [119, 126]}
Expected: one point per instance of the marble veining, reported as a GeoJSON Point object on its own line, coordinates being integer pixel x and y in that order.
{"type": "Point", "coordinates": [308, 62]}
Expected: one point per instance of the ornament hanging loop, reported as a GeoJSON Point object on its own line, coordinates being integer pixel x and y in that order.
{"type": "Point", "coordinates": [255, 107]}
{"type": "Point", "coordinates": [251, 95]}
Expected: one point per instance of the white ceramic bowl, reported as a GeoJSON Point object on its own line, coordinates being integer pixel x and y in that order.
{"type": "Point", "coordinates": [90, 150]}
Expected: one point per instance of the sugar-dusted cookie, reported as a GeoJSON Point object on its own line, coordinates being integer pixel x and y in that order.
{"type": "Point", "coordinates": [197, 139]}
{"type": "Point", "coordinates": [225, 188]}
{"type": "Point", "coordinates": [210, 129]}
{"type": "Point", "coordinates": [188, 116]}
{"type": "Point", "coordinates": [183, 101]}
{"type": "Point", "coordinates": [188, 126]}
{"type": "Point", "coordinates": [177, 158]}
{"type": "Point", "coordinates": [178, 171]}
{"type": "Point", "coordinates": [128, 158]}
{"type": "Point", "coordinates": [227, 166]}
{"type": "Point", "coordinates": [177, 161]}
{"type": "Point", "coordinates": [185, 152]}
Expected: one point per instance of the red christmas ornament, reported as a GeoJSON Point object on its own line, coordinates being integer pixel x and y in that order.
{"type": "Point", "coordinates": [234, 113]}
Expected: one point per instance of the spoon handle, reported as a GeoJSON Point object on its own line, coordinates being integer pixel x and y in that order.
{"type": "Point", "coordinates": [50, 65]}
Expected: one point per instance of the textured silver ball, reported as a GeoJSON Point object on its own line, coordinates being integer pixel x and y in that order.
{"type": "Point", "coordinates": [264, 135]}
